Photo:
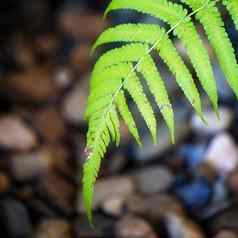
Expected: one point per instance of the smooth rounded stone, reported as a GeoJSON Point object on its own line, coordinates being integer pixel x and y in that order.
{"type": "Point", "coordinates": [53, 228]}
{"type": "Point", "coordinates": [226, 234]}
{"type": "Point", "coordinates": [15, 134]}
{"type": "Point", "coordinates": [26, 166]}
{"type": "Point", "coordinates": [153, 179]}
{"type": "Point", "coordinates": [214, 125]}
{"type": "Point", "coordinates": [121, 186]}
{"type": "Point", "coordinates": [16, 218]}
{"type": "Point", "coordinates": [153, 207]}
{"type": "Point", "coordinates": [150, 151]}
{"type": "Point", "coordinates": [75, 103]}
{"type": "Point", "coordinates": [195, 194]}
{"type": "Point", "coordinates": [114, 205]}
{"type": "Point", "coordinates": [132, 226]}
{"type": "Point", "coordinates": [104, 226]}
{"type": "Point", "coordinates": [222, 154]}
{"type": "Point", "coordinates": [178, 226]}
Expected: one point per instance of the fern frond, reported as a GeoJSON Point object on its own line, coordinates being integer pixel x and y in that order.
{"type": "Point", "coordinates": [121, 70]}
{"type": "Point", "coordinates": [172, 13]}
{"type": "Point", "coordinates": [214, 27]}
{"type": "Point", "coordinates": [232, 6]}
{"type": "Point", "coordinates": [147, 33]}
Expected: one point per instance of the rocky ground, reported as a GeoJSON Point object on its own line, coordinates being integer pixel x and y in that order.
{"type": "Point", "coordinates": [186, 190]}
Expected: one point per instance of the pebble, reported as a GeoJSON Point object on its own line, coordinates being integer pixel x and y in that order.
{"type": "Point", "coordinates": [192, 154]}
{"type": "Point", "coordinates": [21, 87]}
{"type": "Point", "coordinates": [121, 186]}
{"type": "Point", "coordinates": [75, 103]}
{"type": "Point", "coordinates": [178, 226]}
{"type": "Point", "coordinates": [114, 205]}
{"type": "Point", "coordinates": [26, 166]}
{"type": "Point", "coordinates": [154, 207]}
{"type": "Point", "coordinates": [132, 226]}
{"type": "Point", "coordinates": [226, 234]}
{"type": "Point", "coordinates": [195, 194]}
{"type": "Point", "coordinates": [16, 218]}
{"type": "Point", "coordinates": [49, 124]}
{"type": "Point", "coordinates": [153, 179]}
{"type": "Point", "coordinates": [50, 188]}
{"type": "Point", "coordinates": [53, 228]}
{"type": "Point", "coordinates": [222, 154]}
{"type": "Point", "coordinates": [15, 134]}
{"type": "Point", "coordinates": [214, 125]}
{"type": "Point", "coordinates": [73, 22]}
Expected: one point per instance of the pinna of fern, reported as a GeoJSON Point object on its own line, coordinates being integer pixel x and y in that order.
{"type": "Point", "coordinates": [116, 72]}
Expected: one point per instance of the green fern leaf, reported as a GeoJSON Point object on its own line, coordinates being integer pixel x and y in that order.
{"type": "Point", "coordinates": [214, 27]}
{"type": "Point", "coordinates": [149, 34]}
{"type": "Point", "coordinates": [172, 13]}
{"type": "Point", "coordinates": [127, 116]}
{"type": "Point", "coordinates": [232, 6]}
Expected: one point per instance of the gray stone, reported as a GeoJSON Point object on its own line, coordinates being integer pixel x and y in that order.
{"type": "Point", "coordinates": [75, 103]}
{"type": "Point", "coordinates": [153, 179]}
{"type": "Point", "coordinates": [26, 166]}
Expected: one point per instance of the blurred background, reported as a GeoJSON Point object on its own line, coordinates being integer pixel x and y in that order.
{"type": "Point", "coordinates": [186, 190]}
